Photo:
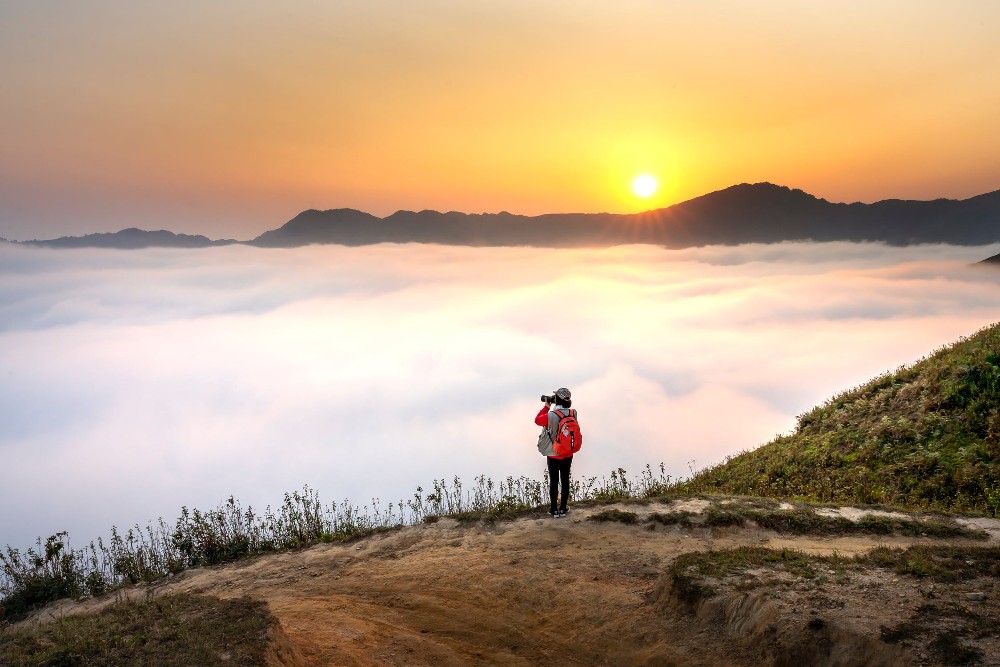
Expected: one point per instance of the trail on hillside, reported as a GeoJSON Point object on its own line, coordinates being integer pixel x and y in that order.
{"type": "Point", "coordinates": [532, 591]}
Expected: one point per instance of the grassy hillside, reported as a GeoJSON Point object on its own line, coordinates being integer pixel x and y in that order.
{"type": "Point", "coordinates": [925, 436]}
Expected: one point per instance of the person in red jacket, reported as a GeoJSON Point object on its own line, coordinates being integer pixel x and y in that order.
{"type": "Point", "coordinates": [558, 465]}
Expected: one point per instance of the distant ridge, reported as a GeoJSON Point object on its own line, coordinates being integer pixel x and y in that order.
{"type": "Point", "coordinates": [758, 213]}
{"type": "Point", "coordinates": [131, 239]}
{"type": "Point", "coordinates": [745, 213]}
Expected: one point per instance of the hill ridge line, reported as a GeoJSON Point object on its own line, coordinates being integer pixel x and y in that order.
{"type": "Point", "coordinates": [743, 213]}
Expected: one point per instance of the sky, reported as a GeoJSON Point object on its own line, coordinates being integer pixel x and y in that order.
{"type": "Point", "coordinates": [228, 118]}
{"type": "Point", "coordinates": [133, 383]}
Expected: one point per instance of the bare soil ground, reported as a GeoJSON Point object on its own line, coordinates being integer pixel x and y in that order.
{"type": "Point", "coordinates": [571, 592]}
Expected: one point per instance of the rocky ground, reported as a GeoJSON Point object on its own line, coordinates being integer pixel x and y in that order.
{"type": "Point", "coordinates": [571, 591]}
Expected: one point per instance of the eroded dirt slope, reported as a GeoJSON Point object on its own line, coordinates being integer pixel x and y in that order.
{"type": "Point", "coordinates": [532, 591]}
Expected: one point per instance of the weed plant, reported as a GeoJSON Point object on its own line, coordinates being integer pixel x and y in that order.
{"type": "Point", "coordinates": [53, 569]}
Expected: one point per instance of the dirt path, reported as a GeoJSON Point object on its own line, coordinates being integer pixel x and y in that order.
{"type": "Point", "coordinates": [554, 591]}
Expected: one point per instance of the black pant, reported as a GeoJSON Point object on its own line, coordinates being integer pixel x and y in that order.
{"type": "Point", "coordinates": [559, 472]}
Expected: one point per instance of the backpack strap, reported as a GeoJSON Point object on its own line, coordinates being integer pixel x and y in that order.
{"type": "Point", "coordinates": [570, 412]}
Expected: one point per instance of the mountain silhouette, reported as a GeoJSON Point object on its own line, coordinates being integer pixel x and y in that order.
{"type": "Point", "coordinates": [745, 213]}
{"type": "Point", "coordinates": [131, 239]}
{"type": "Point", "coordinates": [758, 213]}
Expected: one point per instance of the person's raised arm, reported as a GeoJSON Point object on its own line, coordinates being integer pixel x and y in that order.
{"type": "Point", "coordinates": [542, 418]}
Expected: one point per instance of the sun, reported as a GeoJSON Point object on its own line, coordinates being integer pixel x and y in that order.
{"type": "Point", "coordinates": [644, 185]}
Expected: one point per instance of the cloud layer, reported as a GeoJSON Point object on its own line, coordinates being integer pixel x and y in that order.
{"type": "Point", "coordinates": [132, 383]}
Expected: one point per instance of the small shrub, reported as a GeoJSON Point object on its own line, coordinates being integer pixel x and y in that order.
{"type": "Point", "coordinates": [682, 519]}
{"type": "Point", "coordinates": [881, 556]}
{"type": "Point", "coordinates": [798, 521]}
{"type": "Point", "coordinates": [687, 579]}
{"type": "Point", "coordinates": [901, 632]}
{"type": "Point", "coordinates": [616, 515]}
{"type": "Point", "coordinates": [40, 576]}
{"type": "Point", "coordinates": [952, 651]}
{"type": "Point", "coordinates": [877, 525]}
{"type": "Point", "coordinates": [718, 517]}
{"type": "Point", "coordinates": [993, 499]}
{"type": "Point", "coordinates": [816, 623]}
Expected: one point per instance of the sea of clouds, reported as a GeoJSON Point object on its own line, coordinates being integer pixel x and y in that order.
{"type": "Point", "coordinates": [135, 382]}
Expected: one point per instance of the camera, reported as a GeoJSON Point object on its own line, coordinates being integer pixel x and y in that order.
{"type": "Point", "coordinates": [548, 399]}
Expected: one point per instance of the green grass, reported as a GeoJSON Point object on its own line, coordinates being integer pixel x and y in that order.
{"type": "Point", "coordinates": [926, 436]}
{"type": "Point", "coordinates": [723, 563]}
{"type": "Point", "coordinates": [702, 571]}
{"type": "Point", "coordinates": [802, 519]}
{"type": "Point", "coordinates": [941, 563]}
{"type": "Point", "coordinates": [174, 630]}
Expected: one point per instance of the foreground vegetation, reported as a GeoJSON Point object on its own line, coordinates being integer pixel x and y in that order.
{"type": "Point", "coordinates": [795, 519]}
{"type": "Point", "coordinates": [698, 574]}
{"type": "Point", "coordinates": [54, 570]}
{"type": "Point", "coordinates": [926, 436]}
{"type": "Point", "coordinates": [179, 630]}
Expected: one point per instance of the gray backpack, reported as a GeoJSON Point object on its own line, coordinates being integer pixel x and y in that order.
{"type": "Point", "coordinates": [545, 445]}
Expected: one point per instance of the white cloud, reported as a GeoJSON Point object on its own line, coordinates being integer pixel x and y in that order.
{"type": "Point", "coordinates": [132, 383]}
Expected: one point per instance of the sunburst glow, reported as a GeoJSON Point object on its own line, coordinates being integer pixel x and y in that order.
{"type": "Point", "coordinates": [645, 185]}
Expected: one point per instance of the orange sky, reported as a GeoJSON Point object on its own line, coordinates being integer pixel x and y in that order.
{"type": "Point", "coordinates": [229, 119]}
